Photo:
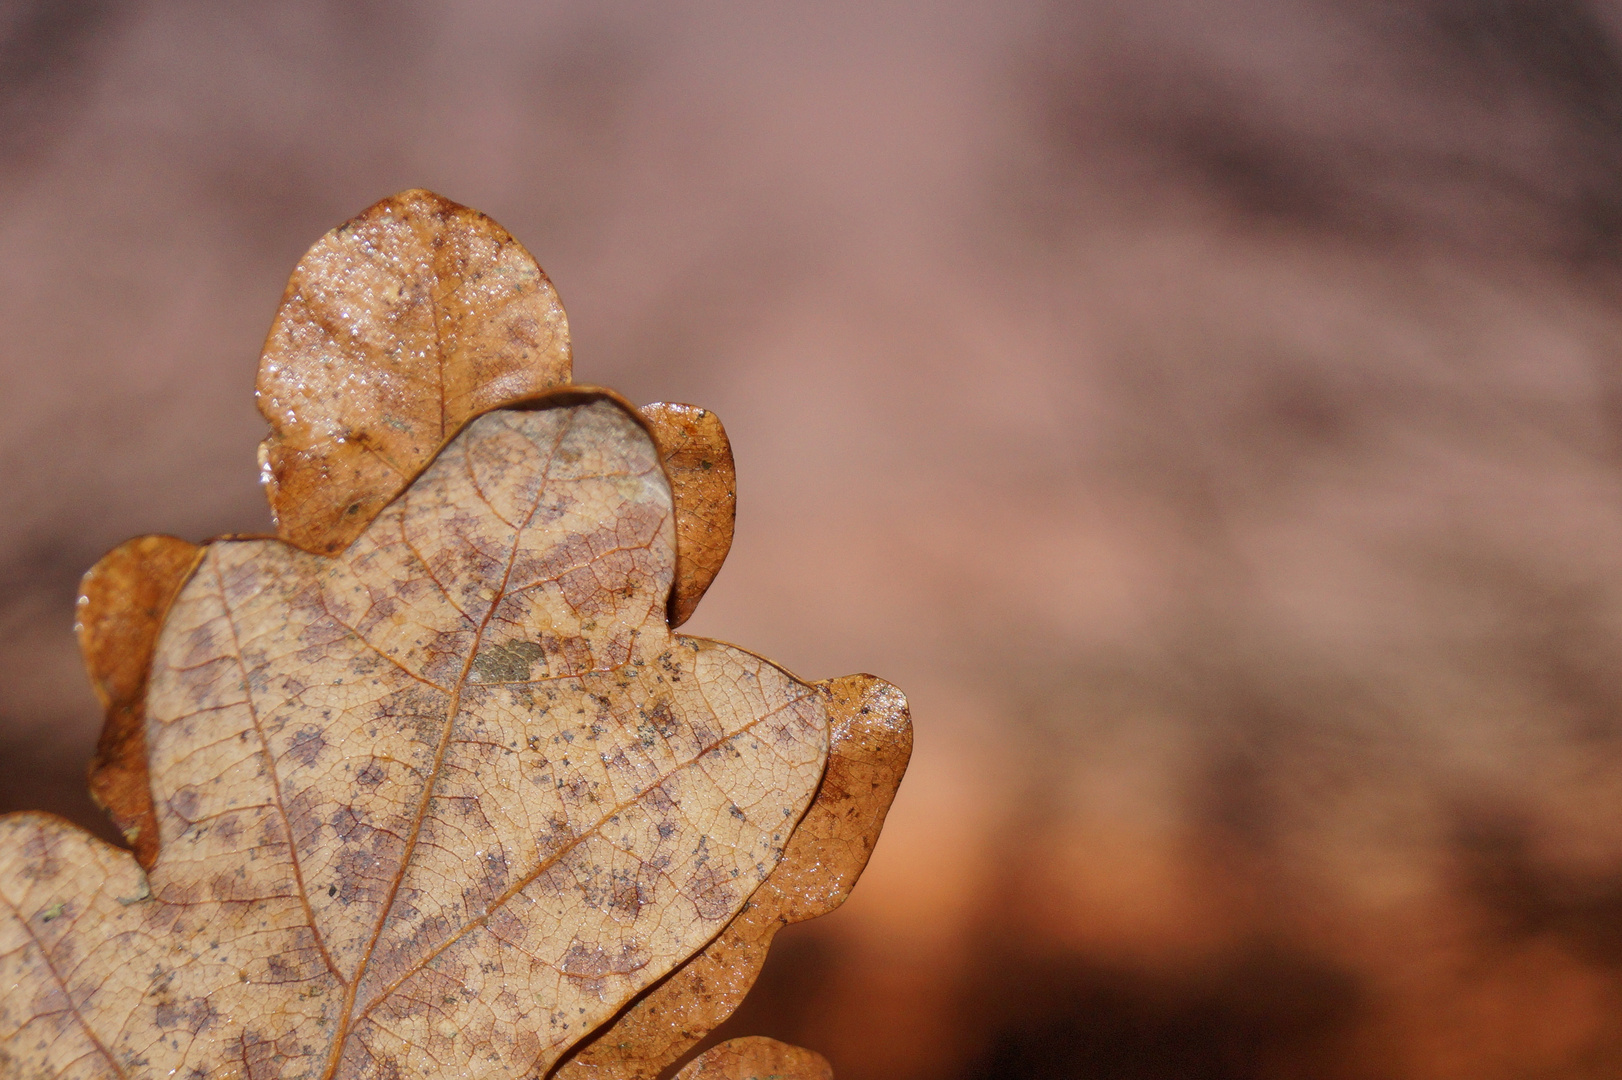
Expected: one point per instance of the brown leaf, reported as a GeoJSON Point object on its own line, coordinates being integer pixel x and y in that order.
{"type": "Point", "coordinates": [698, 459]}
{"type": "Point", "coordinates": [757, 1058]}
{"type": "Point", "coordinates": [437, 806]}
{"type": "Point", "coordinates": [122, 602]}
{"type": "Point", "coordinates": [397, 326]}
{"type": "Point", "coordinates": [870, 743]}
{"type": "Point", "coordinates": [529, 803]}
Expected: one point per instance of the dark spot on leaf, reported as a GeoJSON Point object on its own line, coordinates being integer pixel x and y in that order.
{"type": "Point", "coordinates": [307, 746]}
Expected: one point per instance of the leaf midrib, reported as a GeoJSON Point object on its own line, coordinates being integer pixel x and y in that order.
{"type": "Point", "coordinates": [341, 1032]}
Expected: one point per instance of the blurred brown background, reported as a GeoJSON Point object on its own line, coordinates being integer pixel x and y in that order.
{"type": "Point", "coordinates": [1210, 415]}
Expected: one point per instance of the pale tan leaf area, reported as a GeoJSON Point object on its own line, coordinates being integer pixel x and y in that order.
{"type": "Point", "coordinates": [454, 798]}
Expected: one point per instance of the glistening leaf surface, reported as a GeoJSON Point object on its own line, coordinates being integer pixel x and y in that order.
{"type": "Point", "coordinates": [438, 806]}
{"type": "Point", "coordinates": [396, 327]}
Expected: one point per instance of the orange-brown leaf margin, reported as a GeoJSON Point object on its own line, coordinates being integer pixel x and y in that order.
{"type": "Point", "coordinates": [704, 484]}
{"type": "Point", "coordinates": [871, 741]}
{"type": "Point", "coordinates": [755, 1057]}
{"type": "Point", "coordinates": [123, 600]}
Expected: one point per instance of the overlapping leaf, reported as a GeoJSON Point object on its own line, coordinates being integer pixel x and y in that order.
{"type": "Point", "coordinates": [698, 460]}
{"type": "Point", "coordinates": [122, 602]}
{"type": "Point", "coordinates": [397, 326]}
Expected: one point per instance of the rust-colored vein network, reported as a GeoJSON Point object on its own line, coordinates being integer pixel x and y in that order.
{"type": "Point", "coordinates": [564, 833]}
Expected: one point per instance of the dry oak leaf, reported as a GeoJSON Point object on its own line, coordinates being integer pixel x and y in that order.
{"type": "Point", "coordinates": [363, 376]}
{"type": "Point", "coordinates": [756, 1058]}
{"type": "Point", "coordinates": [437, 806]}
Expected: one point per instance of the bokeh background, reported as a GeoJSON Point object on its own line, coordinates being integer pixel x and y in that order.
{"type": "Point", "coordinates": [1209, 414]}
